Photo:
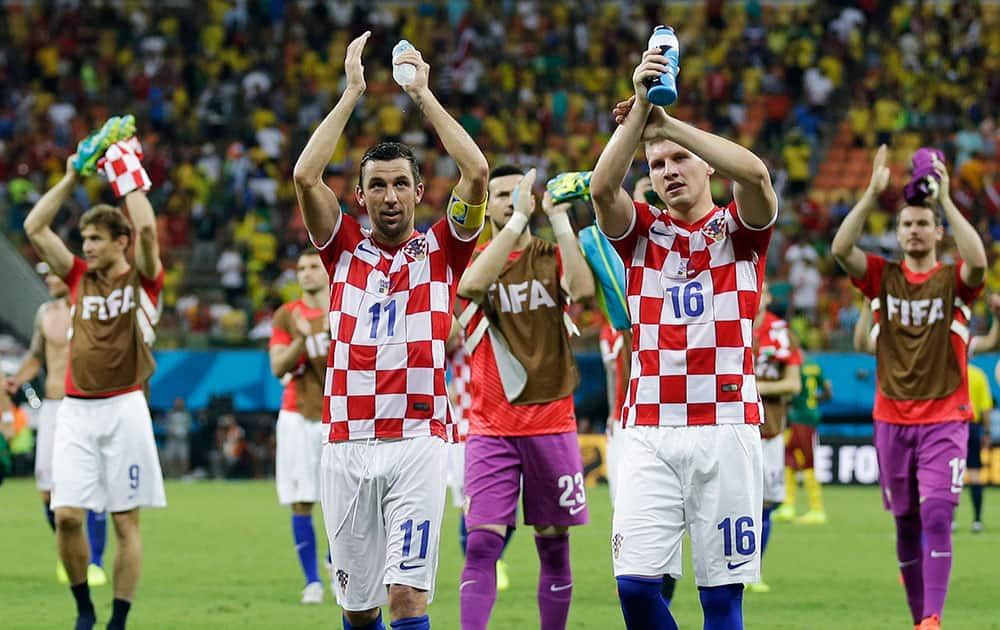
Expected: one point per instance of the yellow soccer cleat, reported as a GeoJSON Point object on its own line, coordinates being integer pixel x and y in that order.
{"type": "Point", "coordinates": [758, 587]}
{"type": "Point", "coordinates": [567, 186]}
{"type": "Point", "coordinates": [96, 576]}
{"type": "Point", "coordinates": [61, 576]}
{"type": "Point", "coordinates": [784, 514]}
{"type": "Point", "coordinates": [812, 517]}
{"type": "Point", "coordinates": [503, 578]}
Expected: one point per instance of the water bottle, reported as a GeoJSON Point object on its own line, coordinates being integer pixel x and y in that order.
{"type": "Point", "coordinates": [663, 90]}
{"type": "Point", "coordinates": [404, 73]}
{"type": "Point", "coordinates": [31, 396]}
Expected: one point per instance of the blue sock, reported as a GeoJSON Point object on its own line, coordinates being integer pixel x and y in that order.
{"type": "Point", "coordinates": [375, 625]}
{"type": "Point", "coordinates": [305, 544]}
{"type": "Point", "coordinates": [97, 534]}
{"type": "Point", "coordinates": [463, 534]}
{"type": "Point", "coordinates": [642, 604]}
{"type": "Point", "coordinates": [765, 527]}
{"type": "Point", "coordinates": [506, 540]}
{"type": "Point", "coordinates": [50, 516]}
{"type": "Point", "coordinates": [412, 623]}
{"type": "Point", "coordinates": [723, 606]}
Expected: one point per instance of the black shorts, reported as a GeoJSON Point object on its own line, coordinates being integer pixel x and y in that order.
{"type": "Point", "coordinates": [973, 456]}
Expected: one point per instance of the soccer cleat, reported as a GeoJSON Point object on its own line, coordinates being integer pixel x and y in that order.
{"type": "Point", "coordinates": [96, 575]}
{"type": "Point", "coordinates": [930, 623]}
{"type": "Point", "coordinates": [812, 517]}
{"type": "Point", "coordinates": [977, 527]}
{"type": "Point", "coordinates": [758, 587]}
{"type": "Point", "coordinates": [954, 526]}
{"type": "Point", "coordinates": [91, 148]}
{"type": "Point", "coordinates": [503, 578]}
{"type": "Point", "coordinates": [784, 514]}
{"type": "Point", "coordinates": [61, 576]}
{"type": "Point", "coordinates": [567, 186]}
{"type": "Point", "coordinates": [313, 593]}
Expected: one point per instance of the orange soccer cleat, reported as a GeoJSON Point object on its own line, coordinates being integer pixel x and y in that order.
{"type": "Point", "coordinates": [930, 623]}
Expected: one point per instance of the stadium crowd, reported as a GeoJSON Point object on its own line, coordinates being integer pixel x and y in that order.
{"type": "Point", "coordinates": [227, 92]}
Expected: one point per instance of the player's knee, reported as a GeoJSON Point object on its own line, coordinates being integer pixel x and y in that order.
{"type": "Point", "coordinates": [638, 592]}
{"type": "Point", "coordinates": [69, 519]}
{"type": "Point", "coordinates": [406, 601]}
{"type": "Point", "coordinates": [484, 544]}
{"type": "Point", "coordinates": [362, 619]}
{"type": "Point", "coordinates": [552, 531]}
{"type": "Point", "coordinates": [46, 497]}
{"type": "Point", "coordinates": [936, 516]}
{"type": "Point", "coordinates": [719, 600]}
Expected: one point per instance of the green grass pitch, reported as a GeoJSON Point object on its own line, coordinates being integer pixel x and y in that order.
{"type": "Point", "coordinates": [220, 556]}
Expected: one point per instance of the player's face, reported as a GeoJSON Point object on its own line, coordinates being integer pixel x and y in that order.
{"type": "Point", "coordinates": [57, 288]}
{"type": "Point", "coordinates": [679, 177]}
{"type": "Point", "coordinates": [500, 205]}
{"type": "Point", "coordinates": [311, 273]}
{"type": "Point", "coordinates": [917, 232]}
{"type": "Point", "coordinates": [389, 194]}
{"type": "Point", "coordinates": [100, 251]}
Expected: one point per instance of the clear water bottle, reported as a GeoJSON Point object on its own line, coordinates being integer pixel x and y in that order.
{"type": "Point", "coordinates": [404, 73]}
{"type": "Point", "coordinates": [31, 395]}
{"type": "Point", "coordinates": [663, 90]}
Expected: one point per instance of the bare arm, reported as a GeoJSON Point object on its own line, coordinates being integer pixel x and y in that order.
{"type": "Point", "coordinates": [6, 416]}
{"type": "Point", "coordinates": [147, 247]}
{"type": "Point", "coordinates": [472, 165]}
{"type": "Point", "coordinates": [844, 248]}
{"type": "Point", "coordinates": [485, 269]}
{"type": "Point", "coordinates": [319, 204]}
{"type": "Point", "coordinates": [37, 225]}
{"type": "Point", "coordinates": [32, 363]}
{"type": "Point", "coordinates": [863, 341]}
{"type": "Point", "coordinates": [790, 383]}
{"type": "Point", "coordinates": [967, 240]}
{"type": "Point", "coordinates": [577, 279]}
{"type": "Point", "coordinates": [285, 357]}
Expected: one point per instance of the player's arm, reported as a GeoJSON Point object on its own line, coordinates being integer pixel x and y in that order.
{"type": "Point", "coordinates": [985, 343]}
{"type": "Point", "coordinates": [468, 210]}
{"type": "Point", "coordinates": [38, 223]}
{"type": "Point", "coordinates": [320, 206]}
{"type": "Point", "coordinates": [845, 243]}
{"type": "Point", "coordinates": [755, 198]}
{"type": "Point", "coordinates": [147, 247]}
{"type": "Point", "coordinates": [454, 336]}
{"type": "Point", "coordinates": [31, 365]}
{"type": "Point", "coordinates": [485, 269]}
{"type": "Point", "coordinates": [285, 357]}
{"type": "Point", "coordinates": [790, 383]}
{"type": "Point", "coordinates": [863, 341]}
{"type": "Point", "coordinates": [6, 416]}
{"type": "Point", "coordinates": [577, 278]}
{"type": "Point", "coordinates": [612, 205]}
{"type": "Point", "coordinates": [967, 240]}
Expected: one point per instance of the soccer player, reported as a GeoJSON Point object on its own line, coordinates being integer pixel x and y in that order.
{"type": "Point", "coordinates": [391, 302]}
{"type": "Point", "coordinates": [800, 447]}
{"type": "Point", "coordinates": [49, 344]}
{"type": "Point", "coordinates": [691, 454]}
{"type": "Point", "coordinates": [104, 455]}
{"type": "Point", "coordinates": [922, 404]}
{"type": "Point", "coordinates": [300, 341]}
{"type": "Point", "coordinates": [522, 426]}
{"type": "Point", "coordinates": [979, 440]}
{"type": "Point", "coordinates": [776, 361]}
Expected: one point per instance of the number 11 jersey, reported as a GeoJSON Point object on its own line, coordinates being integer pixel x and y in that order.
{"type": "Point", "coordinates": [390, 315]}
{"type": "Point", "coordinates": [693, 292]}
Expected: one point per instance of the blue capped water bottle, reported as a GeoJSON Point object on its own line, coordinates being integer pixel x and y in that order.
{"type": "Point", "coordinates": [663, 90]}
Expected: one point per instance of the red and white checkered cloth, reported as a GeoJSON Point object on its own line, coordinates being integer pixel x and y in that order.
{"type": "Point", "coordinates": [122, 165]}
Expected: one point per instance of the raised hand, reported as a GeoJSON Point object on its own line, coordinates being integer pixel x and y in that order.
{"type": "Point", "coordinates": [423, 70]}
{"type": "Point", "coordinates": [944, 182]}
{"type": "Point", "coordinates": [352, 63]}
{"type": "Point", "coordinates": [880, 172]}
{"type": "Point", "coordinates": [524, 200]}
{"type": "Point", "coordinates": [552, 209]}
{"type": "Point", "coordinates": [653, 64]}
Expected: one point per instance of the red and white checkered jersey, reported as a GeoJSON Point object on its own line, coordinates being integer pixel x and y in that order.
{"type": "Point", "coordinates": [461, 398]}
{"type": "Point", "coordinates": [390, 315]}
{"type": "Point", "coordinates": [693, 292]}
{"type": "Point", "coordinates": [774, 348]}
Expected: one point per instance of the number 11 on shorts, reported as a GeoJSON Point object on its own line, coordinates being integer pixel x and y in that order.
{"type": "Point", "coordinates": [424, 530]}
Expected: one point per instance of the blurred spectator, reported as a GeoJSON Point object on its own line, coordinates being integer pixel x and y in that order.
{"type": "Point", "coordinates": [177, 448]}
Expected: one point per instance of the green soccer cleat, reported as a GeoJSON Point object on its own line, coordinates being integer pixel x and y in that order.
{"type": "Point", "coordinates": [758, 587]}
{"type": "Point", "coordinates": [96, 576]}
{"type": "Point", "coordinates": [91, 148]}
{"type": "Point", "coordinates": [568, 186]}
{"type": "Point", "coordinates": [503, 577]}
{"type": "Point", "coordinates": [61, 576]}
{"type": "Point", "coordinates": [812, 517]}
{"type": "Point", "coordinates": [784, 514]}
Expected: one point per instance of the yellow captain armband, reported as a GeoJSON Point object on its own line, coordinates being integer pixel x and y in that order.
{"type": "Point", "coordinates": [469, 216]}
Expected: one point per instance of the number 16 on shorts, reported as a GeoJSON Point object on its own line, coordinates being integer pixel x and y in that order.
{"type": "Point", "coordinates": [739, 538]}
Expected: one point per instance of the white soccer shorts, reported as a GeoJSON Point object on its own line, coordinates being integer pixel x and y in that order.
{"type": "Point", "coordinates": [704, 479]}
{"type": "Point", "coordinates": [44, 443]}
{"type": "Point", "coordinates": [296, 461]}
{"type": "Point", "coordinates": [105, 455]}
{"type": "Point", "coordinates": [383, 501]}
{"type": "Point", "coordinates": [455, 475]}
{"type": "Point", "coordinates": [773, 450]}
{"type": "Point", "coordinates": [612, 457]}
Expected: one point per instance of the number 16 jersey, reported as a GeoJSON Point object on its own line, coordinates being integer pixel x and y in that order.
{"type": "Point", "coordinates": [693, 292]}
{"type": "Point", "coordinates": [390, 315]}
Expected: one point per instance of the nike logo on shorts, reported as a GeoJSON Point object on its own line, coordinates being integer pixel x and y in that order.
{"type": "Point", "coordinates": [576, 509]}
{"type": "Point", "coordinates": [733, 567]}
{"type": "Point", "coordinates": [555, 588]}
{"type": "Point", "coordinates": [407, 567]}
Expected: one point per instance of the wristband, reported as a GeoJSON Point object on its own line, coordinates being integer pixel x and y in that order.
{"type": "Point", "coordinates": [470, 216]}
{"type": "Point", "coordinates": [560, 224]}
{"type": "Point", "coordinates": [516, 222]}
